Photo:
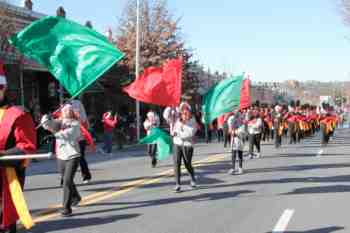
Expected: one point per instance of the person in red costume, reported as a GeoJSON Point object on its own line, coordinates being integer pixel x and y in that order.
{"type": "Point", "coordinates": [109, 123]}
{"type": "Point", "coordinates": [17, 137]}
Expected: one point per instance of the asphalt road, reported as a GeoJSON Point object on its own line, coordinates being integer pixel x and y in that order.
{"type": "Point", "coordinates": [296, 189]}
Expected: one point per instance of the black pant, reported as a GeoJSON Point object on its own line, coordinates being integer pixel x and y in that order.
{"type": "Point", "coordinates": [278, 140]}
{"type": "Point", "coordinates": [254, 140]}
{"type": "Point", "coordinates": [185, 153]}
{"type": "Point", "coordinates": [220, 133]}
{"type": "Point", "coordinates": [240, 157]}
{"type": "Point", "coordinates": [152, 150]}
{"type": "Point", "coordinates": [21, 174]}
{"type": "Point", "coordinates": [84, 168]}
{"type": "Point", "coordinates": [208, 135]}
{"type": "Point", "coordinates": [68, 169]}
{"type": "Point", "coordinates": [292, 132]}
{"type": "Point", "coordinates": [272, 134]}
{"type": "Point", "coordinates": [227, 137]}
{"type": "Point", "coordinates": [324, 135]}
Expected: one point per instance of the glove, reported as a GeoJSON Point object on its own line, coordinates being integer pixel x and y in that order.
{"type": "Point", "coordinates": [44, 120]}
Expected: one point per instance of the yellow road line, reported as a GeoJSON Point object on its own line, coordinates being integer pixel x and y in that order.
{"type": "Point", "coordinates": [51, 212]}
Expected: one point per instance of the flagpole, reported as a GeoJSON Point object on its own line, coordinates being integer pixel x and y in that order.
{"type": "Point", "coordinates": [21, 70]}
{"type": "Point", "coordinates": [137, 61]}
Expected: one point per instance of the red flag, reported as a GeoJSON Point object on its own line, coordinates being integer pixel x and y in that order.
{"type": "Point", "coordinates": [245, 94]}
{"type": "Point", "coordinates": [160, 86]}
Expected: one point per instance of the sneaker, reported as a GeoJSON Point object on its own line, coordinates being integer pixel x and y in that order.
{"type": "Point", "coordinates": [250, 156]}
{"type": "Point", "coordinates": [239, 171]}
{"type": "Point", "coordinates": [76, 201]}
{"type": "Point", "coordinates": [231, 171]}
{"type": "Point", "coordinates": [101, 151]}
{"type": "Point", "coordinates": [66, 212]}
{"type": "Point", "coordinates": [258, 155]}
{"type": "Point", "coordinates": [177, 189]}
{"type": "Point", "coordinates": [154, 163]}
{"type": "Point", "coordinates": [193, 184]}
{"type": "Point", "coordinates": [86, 181]}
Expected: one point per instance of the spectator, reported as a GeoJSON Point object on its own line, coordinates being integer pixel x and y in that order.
{"type": "Point", "coordinates": [109, 123]}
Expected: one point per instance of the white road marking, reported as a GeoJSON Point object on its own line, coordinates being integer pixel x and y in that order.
{"type": "Point", "coordinates": [282, 223]}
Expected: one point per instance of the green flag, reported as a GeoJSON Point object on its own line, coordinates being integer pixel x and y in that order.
{"type": "Point", "coordinates": [222, 98]}
{"type": "Point", "coordinates": [74, 54]}
{"type": "Point", "coordinates": [163, 141]}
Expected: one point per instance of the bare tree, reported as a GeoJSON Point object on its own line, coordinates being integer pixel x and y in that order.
{"type": "Point", "coordinates": [160, 34]}
{"type": "Point", "coordinates": [160, 39]}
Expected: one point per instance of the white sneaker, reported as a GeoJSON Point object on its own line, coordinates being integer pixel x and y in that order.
{"type": "Point", "coordinates": [177, 189]}
{"type": "Point", "coordinates": [101, 151]}
{"type": "Point", "coordinates": [258, 155]}
{"type": "Point", "coordinates": [231, 171]}
{"type": "Point", "coordinates": [240, 171]}
{"type": "Point", "coordinates": [193, 184]}
{"type": "Point", "coordinates": [250, 156]}
{"type": "Point", "coordinates": [86, 181]}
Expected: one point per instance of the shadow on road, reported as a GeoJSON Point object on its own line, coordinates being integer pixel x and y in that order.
{"type": "Point", "coordinates": [298, 167]}
{"type": "Point", "coordinates": [312, 179]}
{"type": "Point", "coordinates": [320, 189]}
{"type": "Point", "coordinates": [166, 201]}
{"type": "Point", "coordinates": [71, 223]}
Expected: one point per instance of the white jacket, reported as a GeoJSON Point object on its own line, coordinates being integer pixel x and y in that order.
{"type": "Point", "coordinates": [255, 126]}
{"type": "Point", "coordinates": [67, 134]}
{"type": "Point", "coordinates": [184, 132]}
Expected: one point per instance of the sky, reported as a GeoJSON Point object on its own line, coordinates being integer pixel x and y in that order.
{"type": "Point", "coordinates": [273, 40]}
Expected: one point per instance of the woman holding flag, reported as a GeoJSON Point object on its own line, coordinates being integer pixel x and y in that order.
{"type": "Point", "coordinates": [67, 133]}
{"type": "Point", "coordinates": [183, 134]}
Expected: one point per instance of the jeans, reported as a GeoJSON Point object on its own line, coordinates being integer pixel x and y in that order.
{"type": "Point", "coordinates": [108, 142]}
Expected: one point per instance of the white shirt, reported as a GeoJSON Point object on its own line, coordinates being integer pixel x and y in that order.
{"type": "Point", "coordinates": [254, 127]}
{"type": "Point", "coordinates": [151, 123]}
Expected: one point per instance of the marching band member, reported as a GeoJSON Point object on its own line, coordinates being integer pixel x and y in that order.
{"type": "Point", "coordinates": [237, 131]}
{"type": "Point", "coordinates": [183, 134]}
{"type": "Point", "coordinates": [151, 122]}
{"type": "Point", "coordinates": [254, 133]}
{"type": "Point", "coordinates": [278, 125]}
{"type": "Point", "coordinates": [18, 136]}
{"type": "Point", "coordinates": [67, 132]}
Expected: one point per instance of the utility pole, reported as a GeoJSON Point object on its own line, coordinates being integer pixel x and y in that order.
{"type": "Point", "coordinates": [137, 63]}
